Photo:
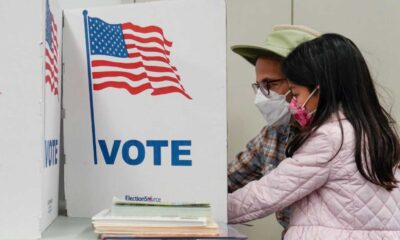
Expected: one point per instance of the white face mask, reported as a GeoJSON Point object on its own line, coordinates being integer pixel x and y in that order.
{"type": "Point", "coordinates": [274, 108]}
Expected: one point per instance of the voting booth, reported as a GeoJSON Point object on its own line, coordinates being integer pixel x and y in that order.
{"type": "Point", "coordinates": [52, 75]}
{"type": "Point", "coordinates": [143, 87]}
{"type": "Point", "coordinates": [145, 105]}
{"type": "Point", "coordinates": [30, 110]}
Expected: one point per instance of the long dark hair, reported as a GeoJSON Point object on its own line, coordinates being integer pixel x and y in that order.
{"type": "Point", "coordinates": [336, 65]}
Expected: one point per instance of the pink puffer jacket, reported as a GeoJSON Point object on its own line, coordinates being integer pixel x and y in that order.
{"type": "Point", "coordinates": [329, 198]}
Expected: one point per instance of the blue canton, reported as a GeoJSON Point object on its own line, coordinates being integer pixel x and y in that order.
{"type": "Point", "coordinates": [106, 39]}
{"type": "Point", "coordinates": [49, 18]}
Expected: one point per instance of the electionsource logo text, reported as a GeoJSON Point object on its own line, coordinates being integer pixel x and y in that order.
{"type": "Point", "coordinates": [142, 199]}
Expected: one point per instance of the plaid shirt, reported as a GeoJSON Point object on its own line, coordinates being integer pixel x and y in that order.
{"type": "Point", "coordinates": [263, 153]}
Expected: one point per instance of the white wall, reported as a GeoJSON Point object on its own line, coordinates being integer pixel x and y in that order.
{"type": "Point", "coordinates": [90, 3]}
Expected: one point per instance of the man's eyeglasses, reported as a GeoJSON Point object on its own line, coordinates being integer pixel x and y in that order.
{"type": "Point", "coordinates": [267, 85]}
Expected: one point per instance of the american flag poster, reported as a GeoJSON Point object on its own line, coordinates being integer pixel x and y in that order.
{"type": "Point", "coordinates": [132, 57]}
{"type": "Point", "coordinates": [145, 102]}
{"type": "Point", "coordinates": [50, 160]}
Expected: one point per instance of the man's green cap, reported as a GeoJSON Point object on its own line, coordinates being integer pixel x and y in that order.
{"type": "Point", "coordinates": [280, 42]}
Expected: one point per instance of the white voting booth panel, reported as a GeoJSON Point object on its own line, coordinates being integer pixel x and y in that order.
{"type": "Point", "coordinates": [145, 103]}
{"type": "Point", "coordinates": [52, 103]}
{"type": "Point", "coordinates": [29, 171]}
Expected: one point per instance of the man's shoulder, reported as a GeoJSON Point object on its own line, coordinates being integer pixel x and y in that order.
{"type": "Point", "coordinates": [276, 130]}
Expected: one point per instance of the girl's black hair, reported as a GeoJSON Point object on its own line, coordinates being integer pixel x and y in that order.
{"type": "Point", "coordinates": [336, 65]}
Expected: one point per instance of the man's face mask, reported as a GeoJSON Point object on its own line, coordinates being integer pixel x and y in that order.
{"type": "Point", "coordinates": [273, 108]}
{"type": "Point", "coordinates": [299, 112]}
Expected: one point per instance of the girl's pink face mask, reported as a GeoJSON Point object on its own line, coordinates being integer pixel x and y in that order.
{"type": "Point", "coordinates": [299, 112]}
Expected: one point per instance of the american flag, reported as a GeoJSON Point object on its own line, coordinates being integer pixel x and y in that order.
{"type": "Point", "coordinates": [51, 52]}
{"type": "Point", "coordinates": [131, 57]}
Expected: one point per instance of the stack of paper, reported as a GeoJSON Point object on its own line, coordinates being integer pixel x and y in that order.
{"type": "Point", "coordinates": [146, 209]}
{"type": "Point", "coordinates": [155, 220]}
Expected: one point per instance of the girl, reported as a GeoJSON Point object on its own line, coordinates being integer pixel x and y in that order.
{"type": "Point", "coordinates": [341, 175]}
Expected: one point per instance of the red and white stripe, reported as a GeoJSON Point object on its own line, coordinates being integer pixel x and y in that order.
{"type": "Point", "coordinates": [51, 59]}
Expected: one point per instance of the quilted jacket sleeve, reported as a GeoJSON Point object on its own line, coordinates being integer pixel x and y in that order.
{"type": "Point", "coordinates": [292, 180]}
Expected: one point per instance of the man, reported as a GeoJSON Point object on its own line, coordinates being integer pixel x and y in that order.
{"type": "Point", "coordinates": [265, 151]}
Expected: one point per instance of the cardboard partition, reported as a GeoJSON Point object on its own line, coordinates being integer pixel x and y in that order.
{"type": "Point", "coordinates": [30, 88]}
{"type": "Point", "coordinates": [145, 103]}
